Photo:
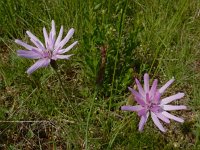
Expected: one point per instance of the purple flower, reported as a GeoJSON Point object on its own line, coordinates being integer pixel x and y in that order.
{"type": "Point", "coordinates": [45, 53]}
{"type": "Point", "coordinates": [149, 102]}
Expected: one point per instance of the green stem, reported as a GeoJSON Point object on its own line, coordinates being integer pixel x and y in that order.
{"type": "Point", "coordinates": [88, 119]}
{"type": "Point", "coordinates": [61, 84]}
{"type": "Point", "coordinates": [116, 56]}
{"type": "Point", "coordinates": [64, 91]}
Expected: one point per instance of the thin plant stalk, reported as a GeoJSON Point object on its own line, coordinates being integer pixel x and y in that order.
{"type": "Point", "coordinates": [88, 119]}
{"type": "Point", "coordinates": [61, 84]}
{"type": "Point", "coordinates": [116, 56]}
{"type": "Point", "coordinates": [54, 66]}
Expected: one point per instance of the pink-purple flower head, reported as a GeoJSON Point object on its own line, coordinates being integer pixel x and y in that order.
{"type": "Point", "coordinates": [45, 53]}
{"type": "Point", "coordinates": [150, 103]}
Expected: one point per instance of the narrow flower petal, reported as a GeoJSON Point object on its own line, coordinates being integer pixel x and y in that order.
{"type": "Point", "coordinates": [61, 56]}
{"type": "Point", "coordinates": [146, 83]}
{"type": "Point", "coordinates": [29, 54]}
{"type": "Point", "coordinates": [29, 47]}
{"type": "Point", "coordinates": [142, 112]}
{"type": "Point", "coordinates": [142, 123]}
{"type": "Point", "coordinates": [140, 101]}
{"type": "Point", "coordinates": [141, 91]}
{"type": "Point", "coordinates": [40, 63]}
{"type": "Point", "coordinates": [143, 120]}
{"type": "Point", "coordinates": [66, 39]}
{"type": "Point", "coordinates": [153, 89]}
{"type": "Point", "coordinates": [157, 97]}
{"type": "Point", "coordinates": [52, 36]}
{"type": "Point", "coordinates": [138, 97]}
{"type": "Point", "coordinates": [171, 98]}
{"type": "Point", "coordinates": [38, 45]}
{"type": "Point", "coordinates": [53, 30]}
{"type": "Point", "coordinates": [162, 117]}
{"type": "Point", "coordinates": [157, 122]}
{"type": "Point", "coordinates": [148, 98]}
{"type": "Point", "coordinates": [156, 109]}
{"type": "Point", "coordinates": [170, 116]}
{"type": "Point", "coordinates": [34, 38]}
{"type": "Point", "coordinates": [46, 37]}
{"type": "Point", "coordinates": [135, 93]}
{"type": "Point", "coordinates": [59, 37]}
{"type": "Point", "coordinates": [172, 107]}
{"type": "Point", "coordinates": [131, 108]}
{"type": "Point", "coordinates": [164, 87]}
{"type": "Point", "coordinates": [68, 48]}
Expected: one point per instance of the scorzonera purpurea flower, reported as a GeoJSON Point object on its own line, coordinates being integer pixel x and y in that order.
{"type": "Point", "coordinates": [150, 103]}
{"type": "Point", "coordinates": [50, 51]}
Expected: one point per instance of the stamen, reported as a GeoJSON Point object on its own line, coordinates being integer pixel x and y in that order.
{"type": "Point", "coordinates": [47, 54]}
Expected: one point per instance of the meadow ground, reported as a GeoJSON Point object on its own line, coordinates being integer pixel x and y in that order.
{"type": "Point", "coordinates": [118, 41]}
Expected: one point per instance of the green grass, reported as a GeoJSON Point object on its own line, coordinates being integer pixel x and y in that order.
{"type": "Point", "coordinates": [158, 37]}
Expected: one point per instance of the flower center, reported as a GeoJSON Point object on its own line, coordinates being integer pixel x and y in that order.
{"type": "Point", "coordinates": [150, 106]}
{"type": "Point", "coordinates": [154, 107]}
{"type": "Point", "coordinates": [47, 54]}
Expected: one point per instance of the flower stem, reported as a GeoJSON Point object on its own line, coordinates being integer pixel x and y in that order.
{"type": "Point", "coordinates": [61, 84]}
{"type": "Point", "coordinates": [63, 89]}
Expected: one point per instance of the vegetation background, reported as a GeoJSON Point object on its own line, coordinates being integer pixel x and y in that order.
{"type": "Point", "coordinates": [118, 41]}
